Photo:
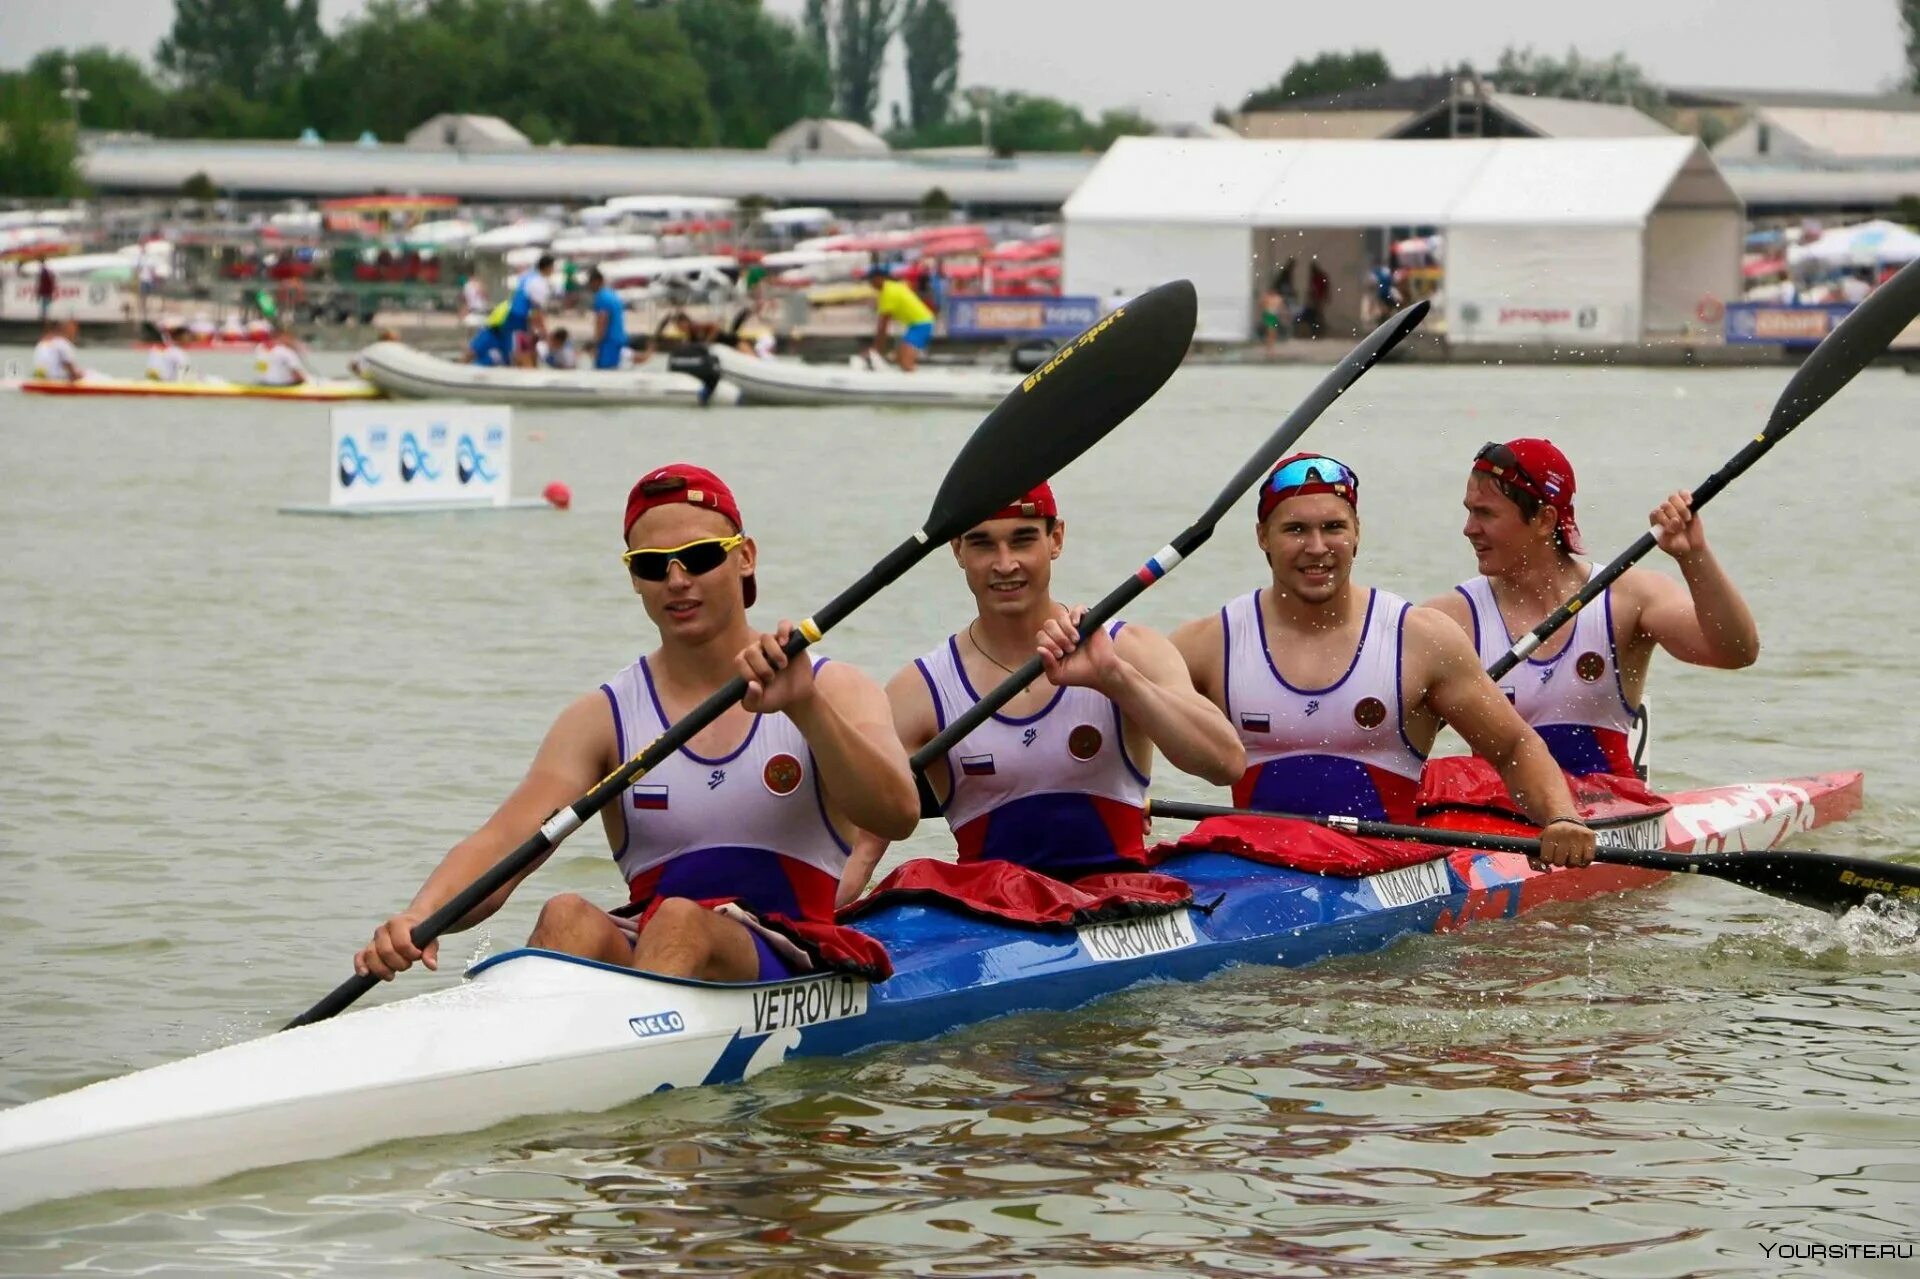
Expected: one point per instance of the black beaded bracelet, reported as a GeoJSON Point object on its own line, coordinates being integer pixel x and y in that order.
{"type": "Point", "coordinates": [1581, 822]}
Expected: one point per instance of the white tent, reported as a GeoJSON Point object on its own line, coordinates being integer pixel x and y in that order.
{"type": "Point", "coordinates": [1598, 240]}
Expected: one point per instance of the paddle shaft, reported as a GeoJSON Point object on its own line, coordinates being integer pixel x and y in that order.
{"type": "Point", "coordinates": [1852, 345]}
{"type": "Point", "coordinates": [1823, 881]}
{"type": "Point", "coordinates": [1192, 538]}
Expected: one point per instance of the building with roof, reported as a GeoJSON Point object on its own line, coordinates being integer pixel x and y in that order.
{"type": "Point", "coordinates": [828, 138]}
{"type": "Point", "coordinates": [456, 132]}
{"type": "Point", "coordinates": [157, 166]}
{"type": "Point", "coordinates": [1580, 241]}
{"type": "Point", "coordinates": [1445, 106]}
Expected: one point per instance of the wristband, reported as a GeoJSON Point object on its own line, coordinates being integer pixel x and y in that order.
{"type": "Point", "coordinates": [1581, 822]}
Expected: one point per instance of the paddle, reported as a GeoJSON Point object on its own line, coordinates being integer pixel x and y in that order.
{"type": "Point", "coordinates": [1852, 345]}
{"type": "Point", "coordinates": [1343, 375]}
{"type": "Point", "coordinates": [1057, 413]}
{"type": "Point", "coordinates": [1823, 881]}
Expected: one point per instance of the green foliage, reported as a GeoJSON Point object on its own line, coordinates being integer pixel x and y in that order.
{"type": "Point", "coordinates": [1322, 74]}
{"type": "Point", "coordinates": [199, 186]}
{"type": "Point", "coordinates": [862, 30]}
{"type": "Point", "coordinates": [120, 93]}
{"type": "Point", "coordinates": [253, 47]}
{"type": "Point", "coordinates": [1612, 79]}
{"type": "Point", "coordinates": [931, 36]}
{"type": "Point", "coordinates": [37, 153]}
{"type": "Point", "coordinates": [936, 203]}
{"type": "Point", "coordinates": [1027, 122]}
{"type": "Point", "coordinates": [762, 72]}
{"type": "Point", "coordinates": [1910, 23]}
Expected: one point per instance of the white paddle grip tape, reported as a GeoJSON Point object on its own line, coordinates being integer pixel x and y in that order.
{"type": "Point", "coordinates": [1527, 644]}
{"type": "Point", "coordinates": [920, 536]}
{"type": "Point", "coordinates": [1340, 821]}
{"type": "Point", "coordinates": [559, 826]}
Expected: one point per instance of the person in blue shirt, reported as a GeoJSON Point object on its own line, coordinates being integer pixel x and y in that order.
{"type": "Point", "coordinates": [490, 347]}
{"type": "Point", "coordinates": [609, 322]}
{"type": "Point", "coordinates": [525, 323]}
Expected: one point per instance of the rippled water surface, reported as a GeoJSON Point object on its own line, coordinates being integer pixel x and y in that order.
{"type": "Point", "coordinates": [233, 740]}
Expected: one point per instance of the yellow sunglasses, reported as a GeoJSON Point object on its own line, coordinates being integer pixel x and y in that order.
{"type": "Point", "coordinates": [650, 564]}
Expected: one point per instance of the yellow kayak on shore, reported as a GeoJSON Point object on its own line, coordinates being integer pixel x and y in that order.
{"type": "Point", "coordinates": [211, 388]}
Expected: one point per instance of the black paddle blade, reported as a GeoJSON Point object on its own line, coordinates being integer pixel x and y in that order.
{"type": "Point", "coordinates": [1852, 345]}
{"type": "Point", "coordinates": [1066, 406]}
{"type": "Point", "coordinates": [1823, 881]}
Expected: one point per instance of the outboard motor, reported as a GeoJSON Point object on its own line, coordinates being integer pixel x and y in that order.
{"type": "Point", "coordinates": [697, 361]}
{"type": "Point", "coordinates": [1031, 354]}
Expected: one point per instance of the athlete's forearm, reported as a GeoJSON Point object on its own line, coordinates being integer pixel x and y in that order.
{"type": "Point", "coordinates": [1535, 781]}
{"type": "Point", "coordinates": [1193, 736]}
{"type": "Point", "coordinates": [869, 783]}
{"type": "Point", "coordinates": [1726, 623]}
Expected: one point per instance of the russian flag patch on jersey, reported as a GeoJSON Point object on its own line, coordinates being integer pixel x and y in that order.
{"type": "Point", "coordinates": [650, 797]}
{"type": "Point", "coordinates": [977, 765]}
{"type": "Point", "coordinates": [1254, 723]}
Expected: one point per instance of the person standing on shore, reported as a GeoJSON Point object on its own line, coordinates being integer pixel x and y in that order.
{"type": "Point", "coordinates": [44, 289]}
{"type": "Point", "coordinates": [609, 322]}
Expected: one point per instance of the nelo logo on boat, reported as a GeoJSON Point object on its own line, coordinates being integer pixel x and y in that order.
{"type": "Point", "coordinates": [666, 1023]}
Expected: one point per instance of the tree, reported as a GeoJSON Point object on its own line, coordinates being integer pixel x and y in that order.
{"type": "Point", "coordinates": [37, 152]}
{"type": "Point", "coordinates": [199, 186]}
{"type": "Point", "coordinates": [1119, 124]}
{"type": "Point", "coordinates": [1612, 79]}
{"type": "Point", "coordinates": [815, 24]}
{"type": "Point", "coordinates": [762, 72]}
{"type": "Point", "coordinates": [253, 47]}
{"type": "Point", "coordinates": [120, 93]}
{"type": "Point", "coordinates": [1910, 20]}
{"type": "Point", "coordinates": [862, 32]}
{"type": "Point", "coordinates": [1325, 73]}
{"type": "Point", "coordinates": [931, 36]}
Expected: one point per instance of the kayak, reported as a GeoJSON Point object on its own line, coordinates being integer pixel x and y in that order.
{"type": "Point", "coordinates": [534, 1032]}
{"type": "Point", "coordinates": [777, 381]}
{"type": "Point", "coordinates": [207, 388]}
{"type": "Point", "coordinates": [408, 373]}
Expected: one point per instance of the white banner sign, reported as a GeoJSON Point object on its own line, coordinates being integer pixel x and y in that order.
{"type": "Point", "coordinates": [421, 455]}
{"type": "Point", "coordinates": [88, 301]}
{"type": "Point", "coordinates": [1576, 322]}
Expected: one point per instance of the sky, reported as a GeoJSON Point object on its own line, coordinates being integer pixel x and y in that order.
{"type": "Point", "coordinates": [1177, 61]}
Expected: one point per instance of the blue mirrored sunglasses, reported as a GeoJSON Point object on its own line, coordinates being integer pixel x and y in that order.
{"type": "Point", "coordinates": [1311, 470]}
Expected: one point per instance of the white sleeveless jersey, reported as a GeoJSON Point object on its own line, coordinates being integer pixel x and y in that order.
{"type": "Point", "coordinates": [1574, 699]}
{"type": "Point", "coordinates": [1057, 789]}
{"type": "Point", "coordinates": [1341, 749]}
{"type": "Point", "coordinates": [764, 797]}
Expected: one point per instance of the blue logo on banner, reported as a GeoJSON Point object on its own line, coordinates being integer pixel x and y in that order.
{"type": "Point", "coordinates": [354, 465]}
{"type": "Point", "coordinates": [473, 463]}
{"type": "Point", "coordinates": [1017, 316]}
{"type": "Point", "coordinates": [414, 460]}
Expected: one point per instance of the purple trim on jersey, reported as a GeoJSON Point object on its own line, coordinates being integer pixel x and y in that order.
{"type": "Point", "coordinates": [1399, 682]}
{"type": "Point", "coordinates": [653, 694]}
{"type": "Point", "coordinates": [820, 797]}
{"type": "Point", "coordinates": [1318, 786]}
{"type": "Point", "coordinates": [1473, 615]}
{"type": "Point", "coordinates": [933, 691]}
{"type": "Point", "coordinates": [756, 877]}
{"type": "Point", "coordinates": [772, 967]}
{"type": "Point", "coordinates": [1613, 651]}
{"type": "Point", "coordinates": [960, 669]}
{"type": "Point", "coordinates": [1366, 622]}
{"type": "Point", "coordinates": [620, 744]}
{"type": "Point", "coordinates": [1226, 662]}
{"type": "Point", "coordinates": [1120, 737]}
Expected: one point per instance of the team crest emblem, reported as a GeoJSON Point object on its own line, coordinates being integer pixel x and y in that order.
{"type": "Point", "coordinates": [1590, 667]}
{"type": "Point", "coordinates": [782, 774]}
{"type": "Point", "coordinates": [1084, 742]}
{"type": "Point", "coordinates": [1370, 712]}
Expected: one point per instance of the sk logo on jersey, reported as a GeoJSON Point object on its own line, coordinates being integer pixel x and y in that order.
{"type": "Point", "coordinates": [1313, 706]}
{"type": "Point", "coordinates": [1546, 673]}
{"type": "Point", "coordinates": [714, 778]}
{"type": "Point", "coordinates": [1026, 738]}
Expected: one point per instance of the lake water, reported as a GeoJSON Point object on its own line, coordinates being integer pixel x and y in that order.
{"type": "Point", "coordinates": [233, 741]}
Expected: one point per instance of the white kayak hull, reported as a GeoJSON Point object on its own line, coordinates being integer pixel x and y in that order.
{"type": "Point", "coordinates": [407, 373]}
{"type": "Point", "coordinates": [534, 1033]}
{"type": "Point", "coordinates": [792, 382]}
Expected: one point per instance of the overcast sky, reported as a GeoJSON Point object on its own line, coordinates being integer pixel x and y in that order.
{"type": "Point", "coordinates": [1176, 61]}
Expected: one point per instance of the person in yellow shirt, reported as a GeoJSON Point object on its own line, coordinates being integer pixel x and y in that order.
{"type": "Point", "coordinates": [898, 302]}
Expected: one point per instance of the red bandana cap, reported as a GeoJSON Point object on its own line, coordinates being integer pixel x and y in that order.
{"type": "Point", "coordinates": [694, 485]}
{"type": "Point", "coordinates": [1545, 474]}
{"type": "Point", "coordinates": [1038, 504]}
{"type": "Point", "coordinates": [1303, 473]}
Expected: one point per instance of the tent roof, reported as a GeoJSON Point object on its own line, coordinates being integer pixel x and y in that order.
{"type": "Point", "coordinates": [1567, 118]}
{"type": "Point", "coordinates": [1340, 183]}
